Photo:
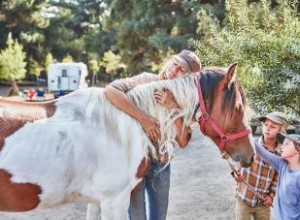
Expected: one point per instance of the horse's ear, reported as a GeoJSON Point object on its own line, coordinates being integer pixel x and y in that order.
{"type": "Point", "coordinates": [231, 74]}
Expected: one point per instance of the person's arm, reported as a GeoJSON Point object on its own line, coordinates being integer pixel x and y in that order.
{"type": "Point", "coordinates": [267, 156]}
{"type": "Point", "coordinates": [184, 133]}
{"type": "Point", "coordinates": [115, 93]}
{"type": "Point", "coordinates": [167, 99]}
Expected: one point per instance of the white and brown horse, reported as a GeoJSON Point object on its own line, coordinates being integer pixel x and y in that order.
{"type": "Point", "coordinates": [82, 148]}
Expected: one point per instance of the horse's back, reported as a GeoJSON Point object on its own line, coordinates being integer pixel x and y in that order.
{"type": "Point", "coordinates": [69, 153]}
{"type": "Point", "coordinates": [14, 115]}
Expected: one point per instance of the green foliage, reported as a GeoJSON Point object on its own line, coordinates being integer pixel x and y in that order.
{"type": "Point", "coordinates": [23, 19]}
{"type": "Point", "coordinates": [67, 59]}
{"type": "Point", "coordinates": [48, 60]}
{"type": "Point", "coordinates": [12, 65]}
{"type": "Point", "coordinates": [112, 63]}
{"type": "Point", "coordinates": [142, 33]}
{"type": "Point", "coordinates": [144, 29]}
{"type": "Point", "coordinates": [265, 42]}
{"type": "Point", "coordinates": [94, 66]}
{"type": "Point", "coordinates": [35, 68]}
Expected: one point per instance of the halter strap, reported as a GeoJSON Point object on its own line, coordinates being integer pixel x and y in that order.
{"type": "Point", "coordinates": [206, 119]}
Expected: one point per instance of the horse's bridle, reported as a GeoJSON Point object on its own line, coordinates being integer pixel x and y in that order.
{"type": "Point", "coordinates": [206, 119]}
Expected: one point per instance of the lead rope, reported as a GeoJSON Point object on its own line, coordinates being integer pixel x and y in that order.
{"type": "Point", "coordinates": [235, 172]}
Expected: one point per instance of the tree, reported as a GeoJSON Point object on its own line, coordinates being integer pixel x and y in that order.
{"type": "Point", "coordinates": [12, 65]}
{"type": "Point", "coordinates": [67, 59]}
{"type": "Point", "coordinates": [48, 60]}
{"type": "Point", "coordinates": [147, 30]}
{"type": "Point", "coordinates": [265, 41]}
{"type": "Point", "coordinates": [112, 64]}
{"type": "Point", "coordinates": [35, 68]}
{"type": "Point", "coordinates": [25, 21]}
{"type": "Point", "coordinates": [94, 68]}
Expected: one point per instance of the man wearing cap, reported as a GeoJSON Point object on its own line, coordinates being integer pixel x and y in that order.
{"type": "Point", "coordinates": [157, 181]}
{"type": "Point", "coordinates": [287, 200]}
{"type": "Point", "coordinates": [260, 178]}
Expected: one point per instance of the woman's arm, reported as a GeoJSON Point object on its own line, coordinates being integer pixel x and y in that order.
{"type": "Point", "coordinates": [167, 99]}
{"type": "Point", "coordinates": [118, 98]}
{"type": "Point", "coordinates": [184, 133]}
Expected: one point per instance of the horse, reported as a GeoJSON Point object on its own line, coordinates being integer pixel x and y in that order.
{"type": "Point", "coordinates": [82, 148]}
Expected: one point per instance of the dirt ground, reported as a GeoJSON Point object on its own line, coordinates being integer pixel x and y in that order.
{"type": "Point", "coordinates": [201, 188]}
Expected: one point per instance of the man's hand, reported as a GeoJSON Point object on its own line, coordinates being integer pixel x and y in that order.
{"type": "Point", "coordinates": [166, 98]}
{"type": "Point", "coordinates": [268, 201]}
{"type": "Point", "coordinates": [237, 177]}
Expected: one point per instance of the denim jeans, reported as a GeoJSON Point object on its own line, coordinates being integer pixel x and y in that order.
{"type": "Point", "coordinates": [157, 185]}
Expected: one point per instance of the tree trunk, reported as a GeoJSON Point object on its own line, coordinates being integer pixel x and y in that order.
{"type": "Point", "coordinates": [14, 90]}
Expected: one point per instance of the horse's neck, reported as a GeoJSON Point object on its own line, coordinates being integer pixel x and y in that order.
{"type": "Point", "coordinates": [184, 91]}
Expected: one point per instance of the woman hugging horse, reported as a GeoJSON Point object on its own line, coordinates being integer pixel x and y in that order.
{"type": "Point", "coordinates": [82, 148]}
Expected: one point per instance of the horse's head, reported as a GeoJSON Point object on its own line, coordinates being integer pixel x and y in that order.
{"type": "Point", "coordinates": [223, 116]}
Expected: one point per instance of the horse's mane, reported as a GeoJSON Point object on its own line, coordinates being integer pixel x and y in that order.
{"type": "Point", "coordinates": [185, 93]}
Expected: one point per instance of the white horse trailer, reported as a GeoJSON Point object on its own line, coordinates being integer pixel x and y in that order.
{"type": "Point", "coordinates": [64, 78]}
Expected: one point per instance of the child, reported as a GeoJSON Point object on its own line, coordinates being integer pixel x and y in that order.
{"type": "Point", "coordinates": [260, 178]}
{"type": "Point", "coordinates": [287, 200]}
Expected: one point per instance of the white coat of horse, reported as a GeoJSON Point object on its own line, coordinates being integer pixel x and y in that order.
{"type": "Point", "coordinates": [88, 150]}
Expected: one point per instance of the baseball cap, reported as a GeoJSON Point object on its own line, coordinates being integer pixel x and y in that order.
{"type": "Point", "coordinates": [189, 60]}
{"type": "Point", "coordinates": [294, 137]}
{"type": "Point", "coordinates": [276, 117]}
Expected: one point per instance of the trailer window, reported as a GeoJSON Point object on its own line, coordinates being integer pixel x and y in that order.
{"type": "Point", "coordinates": [64, 73]}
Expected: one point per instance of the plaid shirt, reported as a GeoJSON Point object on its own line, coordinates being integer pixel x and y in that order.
{"type": "Point", "coordinates": [261, 177]}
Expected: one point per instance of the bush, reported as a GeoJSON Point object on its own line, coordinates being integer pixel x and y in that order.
{"type": "Point", "coordinates": [265, 42]}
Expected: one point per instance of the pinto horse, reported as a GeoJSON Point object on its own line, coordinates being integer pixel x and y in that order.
{"type": "Point", "coordinates": [82, 148]}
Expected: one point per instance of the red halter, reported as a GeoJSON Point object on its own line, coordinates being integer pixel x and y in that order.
{"type": "Point", "coordinates": [205, 118]}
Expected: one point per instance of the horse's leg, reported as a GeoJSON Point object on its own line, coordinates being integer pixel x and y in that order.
{"type": "Point", "coordinates": [116, 208]}
{"type": "Point", "coordinates": [93, 211]}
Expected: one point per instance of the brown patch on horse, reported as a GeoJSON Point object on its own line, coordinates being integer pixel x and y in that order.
{"type": "Point", "coordinates": [143, 167]}
{"type": "Point", "coordinates": [13, 115]}
{"type": "Point", "coordinates": [17, 197]}
{"type": "Point", "coordinates": [142, 171]}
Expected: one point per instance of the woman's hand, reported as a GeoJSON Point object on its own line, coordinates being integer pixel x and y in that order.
{"type": "Point", "coordinates": [120, 100]}
{"type": "Point", "coordinates": [151, 127]}
{"type": "Point", "coordinates": [166, 98]}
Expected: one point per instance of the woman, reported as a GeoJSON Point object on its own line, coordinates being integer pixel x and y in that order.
{"type": "Point", "coordinates": [157, 181]}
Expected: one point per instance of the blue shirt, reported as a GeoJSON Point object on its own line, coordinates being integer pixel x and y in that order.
{"type": "Point", "coordinates": [287, 200]}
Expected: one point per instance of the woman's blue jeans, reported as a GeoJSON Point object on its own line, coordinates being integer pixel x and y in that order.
{"type": "Point", "coordinates": [157, 185]}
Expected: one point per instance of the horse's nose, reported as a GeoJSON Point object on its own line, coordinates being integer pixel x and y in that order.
{"type": "Point", "coordinates": [246, 162]}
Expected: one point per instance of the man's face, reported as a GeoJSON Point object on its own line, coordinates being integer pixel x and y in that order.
{"type": "Point", "coordinates": [270, 128]}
